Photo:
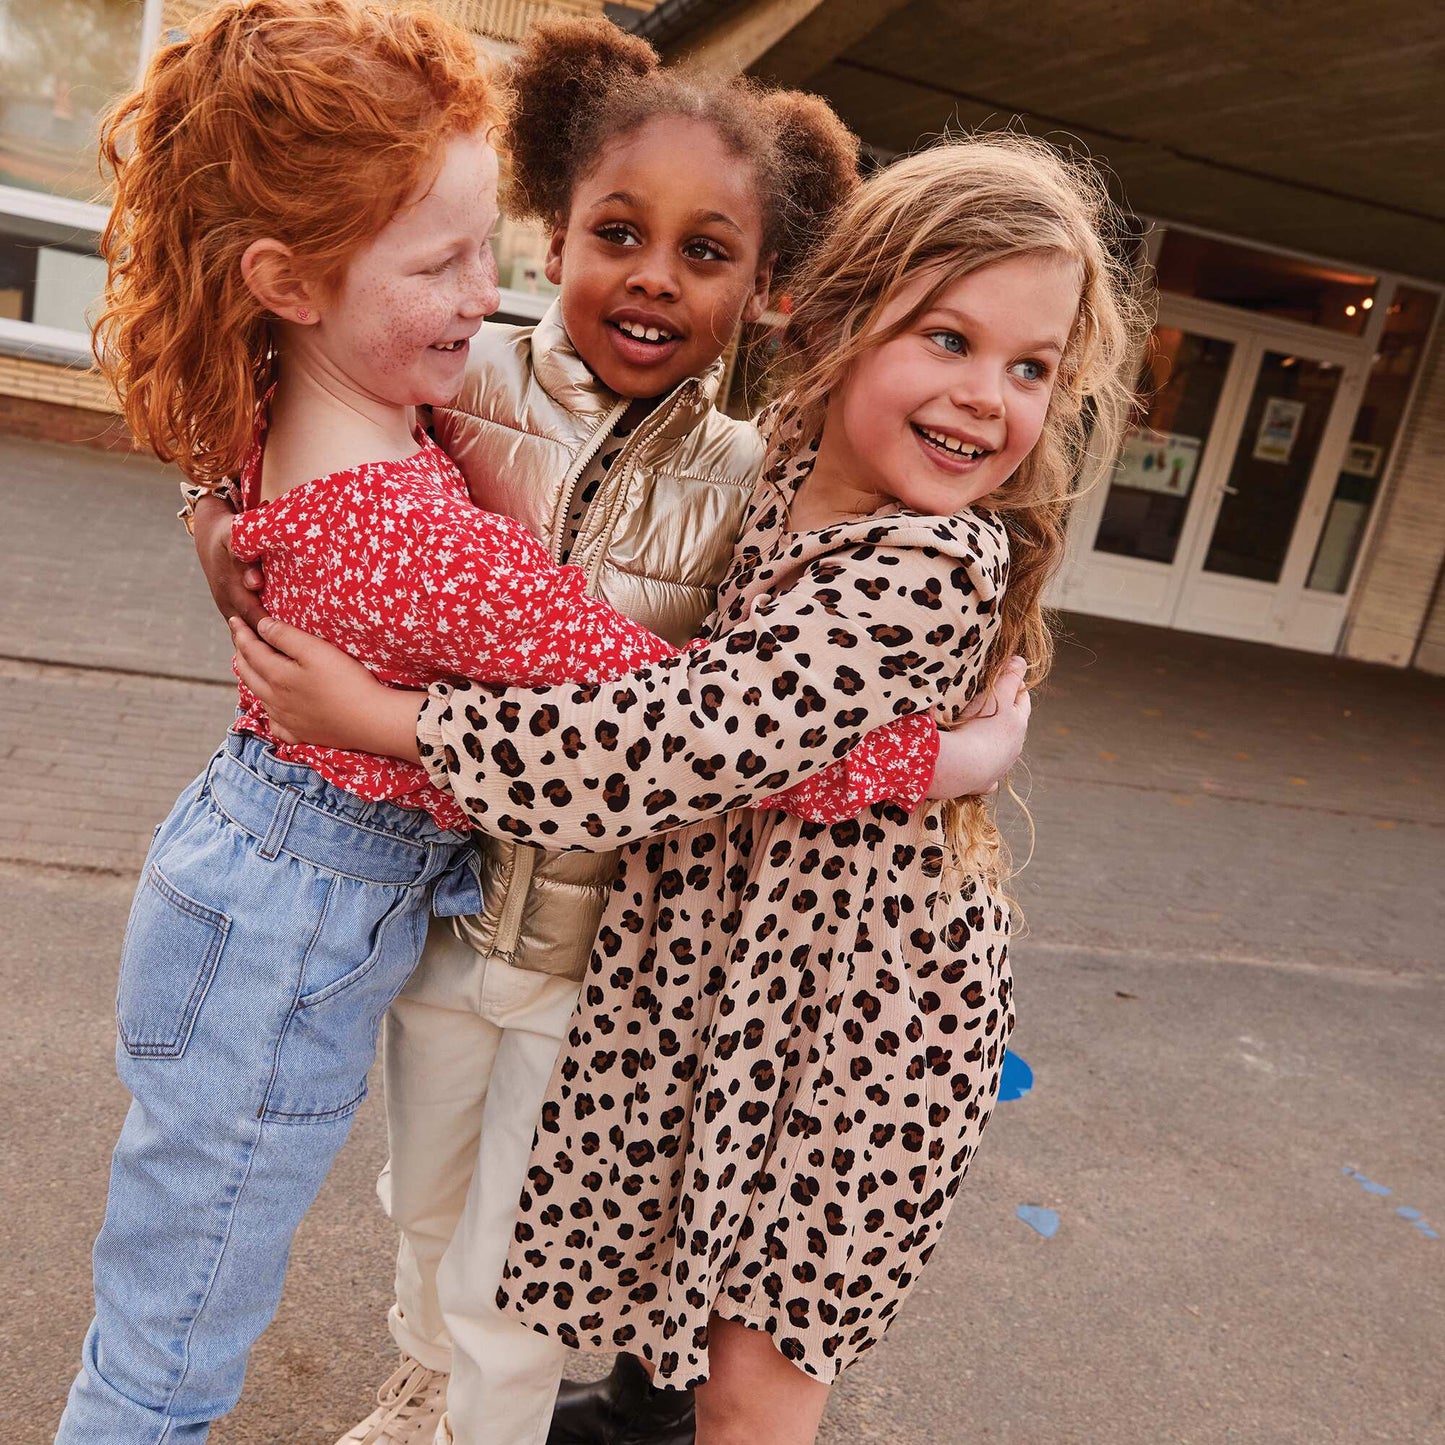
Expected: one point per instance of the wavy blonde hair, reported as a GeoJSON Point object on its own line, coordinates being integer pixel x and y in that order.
{"type": "Point", "coordinates": [308, 121]}
{"type": "Point", "coordinates": [963, 204]}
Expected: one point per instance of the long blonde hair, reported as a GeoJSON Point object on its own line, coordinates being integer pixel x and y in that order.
{"type": "Point", "coordinates": [954, 208]}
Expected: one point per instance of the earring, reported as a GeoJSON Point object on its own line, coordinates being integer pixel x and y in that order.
{"type": "Point", "coordinates": [302, 314]}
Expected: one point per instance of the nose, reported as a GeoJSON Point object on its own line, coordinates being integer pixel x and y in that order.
{"type": "Point", "coordinates": [654, 274]}
{"type": "Point", "coordinates": [479, 296]}
{"type": "Point", "coordinates": [978, 388]}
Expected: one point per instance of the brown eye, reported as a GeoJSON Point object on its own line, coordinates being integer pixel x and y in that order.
{"type": "Point", "coordinates": [702, 249]}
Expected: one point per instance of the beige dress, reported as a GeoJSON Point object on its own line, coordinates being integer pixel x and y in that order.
{"type": "Point", "coordinates": [790, 1035]}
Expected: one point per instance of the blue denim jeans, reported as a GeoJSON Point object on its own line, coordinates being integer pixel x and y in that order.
{"type": "Point", "coordinates": [276, 919]}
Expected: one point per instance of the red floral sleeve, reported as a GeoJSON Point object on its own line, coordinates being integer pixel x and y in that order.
{"type": "Point", "coordinates": [892, 764]}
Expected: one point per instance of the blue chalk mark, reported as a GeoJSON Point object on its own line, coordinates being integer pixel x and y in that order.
{"type": "Point", "coordinates": [1426, 1230]}
{"type": "Point", "coordinates": [1370, 1187]}
{"type": "Point", "coordinates": [1406, 1213]}
{"type": "Point", "coordinates": [1041, 1221]}
{"type": "Point", "coordinates": [1016, 1079]}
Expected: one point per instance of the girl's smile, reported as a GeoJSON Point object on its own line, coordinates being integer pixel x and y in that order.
{"type": "Point", "coordinates": [399, 326]}
{"type": "Point", "coordinates": [943, 413]}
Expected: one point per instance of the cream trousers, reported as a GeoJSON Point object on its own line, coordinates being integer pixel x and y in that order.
{"type": "Point", "coordinates": [470, 1045]}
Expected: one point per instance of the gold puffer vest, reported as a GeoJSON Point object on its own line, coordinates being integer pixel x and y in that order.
{"type": "Point", "coordinates": [655, 543]}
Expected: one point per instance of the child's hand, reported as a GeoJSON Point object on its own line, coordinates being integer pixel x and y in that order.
{"type": "Point", "coordinates": [235, 586]}
{"type": "Point", "coordinates": [976, 755]}
{"type": "Point", "coordinates": [315, 693]}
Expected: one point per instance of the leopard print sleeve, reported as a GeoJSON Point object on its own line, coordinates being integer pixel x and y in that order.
{"type": "Point", "coordinates": [896, 621]}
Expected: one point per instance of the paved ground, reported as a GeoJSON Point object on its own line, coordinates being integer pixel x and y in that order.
{"type": "Point", "coordinates": [1231, 992]}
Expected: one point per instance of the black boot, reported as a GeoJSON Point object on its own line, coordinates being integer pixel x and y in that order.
{"type": "Point", "coordinates": [623, 1409]}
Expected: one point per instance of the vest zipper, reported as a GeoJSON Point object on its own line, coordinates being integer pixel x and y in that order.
{"type": "Point", "coordinates": [630, 448]}
{"type": "Point", "coordinates": [584, 460]}
{"type": "Point", "coordinates": [524, 855]}
{"type": "Point", "coordinates": [519, 885]}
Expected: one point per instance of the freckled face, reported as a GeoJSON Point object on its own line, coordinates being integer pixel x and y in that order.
{"type": "Point", "coordinates": [659, 258]}
{"type": "Point", "coordinates": [943, 413]}
{"type": "Point", "coordinates": [398, 327]}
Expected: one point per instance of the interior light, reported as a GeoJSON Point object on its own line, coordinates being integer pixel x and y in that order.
{"type": "Point", "coordinates": [1367, 303]}
{"type": "Point", "coordinates": [1350, 310]}
{"type": "Point", "coordinates": [1288, 361]}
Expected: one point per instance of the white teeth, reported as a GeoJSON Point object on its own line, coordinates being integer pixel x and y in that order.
{"type": "Point", "coordinates": [954, 444]}
{"type": "Point", "coordinates": [642, 333]}
{"type": "Point", "coordinates": [450, 345]}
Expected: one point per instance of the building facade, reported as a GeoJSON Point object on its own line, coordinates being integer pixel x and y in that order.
{"type": "Point", "coordinates": [1287, 484]}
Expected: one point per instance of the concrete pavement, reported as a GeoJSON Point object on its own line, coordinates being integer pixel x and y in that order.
{"type": "Point", "coordinates": [1230, 993]}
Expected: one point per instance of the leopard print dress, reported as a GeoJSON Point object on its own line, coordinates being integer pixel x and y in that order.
{"type": "Point", "coordinates": [790, 1036]}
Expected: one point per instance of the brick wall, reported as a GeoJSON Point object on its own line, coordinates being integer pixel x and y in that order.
{"type": "Point", "coordinates": [74, 386]}
{"type": "Point", "coordinates": [1398, 587]}
{"type": "Point", "coordinates": [52, 403]}
{"type": "Point", "coordinates": [1430, 656]}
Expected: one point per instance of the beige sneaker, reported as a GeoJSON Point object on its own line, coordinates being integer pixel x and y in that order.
{"type": "Point", "coordinates": [408, 1407]}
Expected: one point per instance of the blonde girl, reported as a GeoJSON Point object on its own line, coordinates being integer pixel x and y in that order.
{"type": "Point", "coordinates": [790, 1036]}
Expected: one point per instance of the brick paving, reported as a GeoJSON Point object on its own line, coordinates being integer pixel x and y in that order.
{"type": "Point", "coordinates": [91, 760]}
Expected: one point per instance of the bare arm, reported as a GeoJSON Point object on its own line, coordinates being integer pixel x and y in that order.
{"type": "Point", "coordinates": [235, 586]}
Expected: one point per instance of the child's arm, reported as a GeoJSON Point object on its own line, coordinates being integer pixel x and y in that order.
{"type": "Point", "coordinates": [895, 624]}
{"type": "Point", "coordinates": [235, 586]}
{"type": "Point", "coordinates": [909, 761]}
{"type": "Point", "coordinates": [483, 600]}
{"type": "Point", "coordinates": [976, 756]}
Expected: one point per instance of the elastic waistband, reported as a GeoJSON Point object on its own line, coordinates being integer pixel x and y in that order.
{"type": "Point", "coordinates": [286, 818]}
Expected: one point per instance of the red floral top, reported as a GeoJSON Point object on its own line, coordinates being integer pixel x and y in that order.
{"type": "Point", "coordinates": [393, 563]}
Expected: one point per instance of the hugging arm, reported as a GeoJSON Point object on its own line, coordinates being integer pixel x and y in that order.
{"type": "Point", "coordinates": [235, 585]}
{"type": "Point", "coordinates": [871, 633]}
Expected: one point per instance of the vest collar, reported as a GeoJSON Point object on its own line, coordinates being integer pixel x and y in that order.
{"type": "Point", "coordinates": [564, 376]}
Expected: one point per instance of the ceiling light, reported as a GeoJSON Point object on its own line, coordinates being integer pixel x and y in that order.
{"type": "Point", "coordinates": [1367, 303]}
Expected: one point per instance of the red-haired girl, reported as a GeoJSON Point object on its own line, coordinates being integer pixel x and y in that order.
{"type": "Point", "coordinates": [791, 1033]}
{"type": "Point", "coordinates": [674, 202]}
{"type": "Point", "coordinates": [300, 253]}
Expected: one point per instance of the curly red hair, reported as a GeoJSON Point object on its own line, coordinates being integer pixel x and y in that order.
{"type": "Point", "coordinates": [308, 121]}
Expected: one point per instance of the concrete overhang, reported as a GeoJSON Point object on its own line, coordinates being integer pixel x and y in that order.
{"type": "Point", "coordinates": [1319, 127]}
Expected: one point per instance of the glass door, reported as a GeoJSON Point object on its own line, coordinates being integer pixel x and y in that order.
{"type": "Point", "coordinates": [1213, 516]}
{"type": "Point", "coordinates": [1259, 533]}
{"type": "Point", "coordinates": [1127, 539]}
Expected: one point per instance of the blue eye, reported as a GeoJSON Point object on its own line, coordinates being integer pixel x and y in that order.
{"type": "Point", "coordinates": [949, 341]}
{"type": "Point", "coordinates": [1035, 370]}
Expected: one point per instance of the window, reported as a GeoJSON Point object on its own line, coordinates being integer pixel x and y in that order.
{"type": "Point", "coordinates": [62, 62]}
{"type": "Point", "coordinates": [1311, 292]}
{"type": "Point", "coordinates": [1392, 372]}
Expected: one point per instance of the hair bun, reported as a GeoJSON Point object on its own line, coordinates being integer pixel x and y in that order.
{"type": "Point", "coordinates": [820, 166]}
{"type": "Point", "coordinates": [563, 68]}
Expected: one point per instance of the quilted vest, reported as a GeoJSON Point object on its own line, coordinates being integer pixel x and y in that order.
{"type": "Point", "coordinates": [655, 543]}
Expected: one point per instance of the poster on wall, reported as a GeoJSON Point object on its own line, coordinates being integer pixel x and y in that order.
{"type": "Point", "coordinates": [1278, 428]}
{"type": "Point", "coordinates": [1159, 461]}
{"type": "Point", "coordinates": [1362, 460]}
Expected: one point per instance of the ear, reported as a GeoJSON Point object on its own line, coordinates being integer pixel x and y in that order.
{"type": "Point", "coordinates": [757, 301]}
{"type": "Point", "coordinates": [268, 268]}
{"type": "Point", "coordinates": [553, 268]}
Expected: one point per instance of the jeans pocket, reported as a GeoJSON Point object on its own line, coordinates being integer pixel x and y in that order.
{"type": "Point", "coordinates": [172, 947]}
{"type": "Point", "coordinates": [329, 1043]}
